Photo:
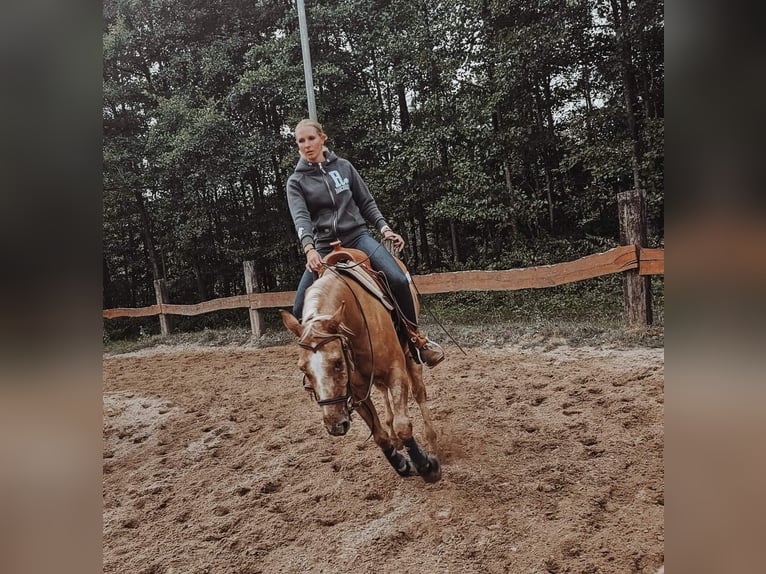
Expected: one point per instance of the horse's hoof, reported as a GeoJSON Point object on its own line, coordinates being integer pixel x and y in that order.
{"type": "Point", "coordinates": [433, 472]}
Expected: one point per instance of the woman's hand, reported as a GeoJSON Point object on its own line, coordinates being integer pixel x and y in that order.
{"type": "Point", "coordinates": [313, 260]}
{"type": "Point", "coordinates": [395, 237]}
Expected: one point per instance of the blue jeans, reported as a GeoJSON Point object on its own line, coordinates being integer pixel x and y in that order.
{"type": "Point", "coordinates": [381, 260]}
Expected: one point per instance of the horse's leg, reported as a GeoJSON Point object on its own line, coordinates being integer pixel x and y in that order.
{"type": "Point", "coordinates": [427, 466]}
{"type": "Point", "coordinates": [402, 465]}
{"type": "Point", "coordinates": [419, 392]}
{"type": "Point", "coordinates": [389, 416]}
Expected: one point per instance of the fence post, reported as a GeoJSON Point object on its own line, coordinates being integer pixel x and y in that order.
{"type": "Point", "coordinates": [161, 292]}
{"type": "Point", "coordinates": [251, 286]}
{"type": "Point", "coordinates": [636, 288]}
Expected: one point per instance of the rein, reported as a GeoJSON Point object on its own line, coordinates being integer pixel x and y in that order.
{"type": "Point", "coordinates": [355, 404]}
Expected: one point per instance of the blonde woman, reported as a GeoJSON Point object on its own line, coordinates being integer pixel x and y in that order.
{"type": "Point", "coordinates": [329, 201]}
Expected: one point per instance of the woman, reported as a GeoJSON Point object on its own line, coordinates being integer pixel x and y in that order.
{"type": "Point", "coordinates": [329, 201]}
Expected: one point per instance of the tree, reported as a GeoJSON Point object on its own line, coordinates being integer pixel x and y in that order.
{"type": "Point", "coordinates": [492, 133]}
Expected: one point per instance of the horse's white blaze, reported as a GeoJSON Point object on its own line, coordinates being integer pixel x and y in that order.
{"type": "Point", "coordinates": [317, 364]}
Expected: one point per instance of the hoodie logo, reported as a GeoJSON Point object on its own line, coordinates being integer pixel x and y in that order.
{"type": "Point", "coordinates": [341, 184]}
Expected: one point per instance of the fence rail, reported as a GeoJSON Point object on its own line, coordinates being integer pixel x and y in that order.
{"type": "Point", "coordinates": [613, 261]}
{"type": "Point", "coordinates": [651, 261]}
{"type": "Point", "coordinates": [617, 260]}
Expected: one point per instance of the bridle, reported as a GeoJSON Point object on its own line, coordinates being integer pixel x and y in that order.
{"type": "Point", "coordinates": [347, 357]}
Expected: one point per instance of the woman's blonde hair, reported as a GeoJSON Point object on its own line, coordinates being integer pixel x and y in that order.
{"type": "Point", "coordinates": [311, 124]}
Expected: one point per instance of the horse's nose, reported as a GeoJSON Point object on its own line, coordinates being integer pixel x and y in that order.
{"type": "Point", "coordinates": [340, 428]}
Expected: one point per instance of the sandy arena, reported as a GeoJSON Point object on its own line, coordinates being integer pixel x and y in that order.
{"type": "Point", "coordinates": [216, 461]}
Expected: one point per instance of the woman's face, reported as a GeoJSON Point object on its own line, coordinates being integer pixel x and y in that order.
{"type": "Point", "coordinates": [310, 143]}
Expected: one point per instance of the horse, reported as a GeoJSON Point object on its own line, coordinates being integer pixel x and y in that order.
{"type": "Point", "coordinates": [348, 344]}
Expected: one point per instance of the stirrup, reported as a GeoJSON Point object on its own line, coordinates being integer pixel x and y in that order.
{"type": "Point", "coordinates": [429, 353]}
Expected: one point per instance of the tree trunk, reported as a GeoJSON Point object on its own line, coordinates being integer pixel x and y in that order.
{"type": "Point", "coordinates": [106, 284]}
{"type": "Point", "coordinates": [404, 112]}
{"type": "Point", "coordinates": [379, 92]}
{"type": "Point", "coordinates": [549, 195]}
{"type": "Point", "coordinates": [621, 17]}
{"type": "Point", "coordinates": [147, 233]}
{"type": "Point", "coordinates": [130, 274]}
{"type": "Point", "coordinates": [542, 152]}
{"type": "Point", "coordinates": [199, 280]}
{"type": "Point", "coordinates": [455, 244]}
{"type": "Point", "coordinates": [259, 191]}
{"type": "Point", "coordinates": [423, 235]}
{"type": "Point", "coordinates": [512, 199]}
{"type": "Point", "coordinates": [278, 182]}
{"type": "Point", "coordinates": [414, 242]}
{"type": "Point", "coordinates": [588, 104]}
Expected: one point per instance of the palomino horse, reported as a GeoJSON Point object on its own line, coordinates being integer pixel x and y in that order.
{"type": "Point", "coordinates": [348, 343]}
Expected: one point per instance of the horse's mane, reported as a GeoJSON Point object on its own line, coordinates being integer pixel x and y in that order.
{"type": "Point", "coordinates": [315, 322]}
{"type": "Point", "coordinates": [314, 296]}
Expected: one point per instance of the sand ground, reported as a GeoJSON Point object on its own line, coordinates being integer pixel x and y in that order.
{"type": "Point", "coordinates": [216, 461]}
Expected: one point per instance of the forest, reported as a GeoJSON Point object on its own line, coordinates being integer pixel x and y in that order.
{"type": "Point", "coordinates": [494, 134]}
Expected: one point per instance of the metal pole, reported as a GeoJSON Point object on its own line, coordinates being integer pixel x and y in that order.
{"type": "Point", "coordinates": [306, 60]}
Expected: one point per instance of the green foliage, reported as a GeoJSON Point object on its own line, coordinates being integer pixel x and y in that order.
{"type": "Point", "coordinates": [492, 134]}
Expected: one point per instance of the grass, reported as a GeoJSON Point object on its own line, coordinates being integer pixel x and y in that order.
{"type": "Point", "coordinates": [578, 314]}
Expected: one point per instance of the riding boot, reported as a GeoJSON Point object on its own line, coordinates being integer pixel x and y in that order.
{"type": "Point", "coordinates": [425, 351]}
{"type": "Point", "coordinates": [401, 332]}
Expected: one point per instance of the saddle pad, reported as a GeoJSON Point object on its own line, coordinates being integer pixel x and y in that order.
{"type": "Point", "coordinates": [357, 272]}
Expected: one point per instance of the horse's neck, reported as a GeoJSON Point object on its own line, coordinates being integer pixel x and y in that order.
{"type": "Point", "coordinates": [325, 297]}
{"type": "Point", "coordinates": [341, 292]}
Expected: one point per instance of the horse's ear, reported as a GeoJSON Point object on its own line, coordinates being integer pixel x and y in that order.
{"type": "Point", "coordinates": [334, 322]}
{"type": "Point", "coordinates": [291, 322]}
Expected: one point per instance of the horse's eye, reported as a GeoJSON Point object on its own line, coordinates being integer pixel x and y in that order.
{"type": "Point", "coordinates": [338, 365]}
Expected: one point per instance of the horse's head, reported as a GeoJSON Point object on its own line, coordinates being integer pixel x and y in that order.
{"type": "Point", "coordinates": [326, 361]}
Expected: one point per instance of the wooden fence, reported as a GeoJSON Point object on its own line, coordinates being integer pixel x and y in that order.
{"type": "Point", "coordinates": [627, 258]}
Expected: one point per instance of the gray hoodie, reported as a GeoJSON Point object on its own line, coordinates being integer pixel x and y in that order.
{"type": "Point", "coordinates": [330, 201]}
